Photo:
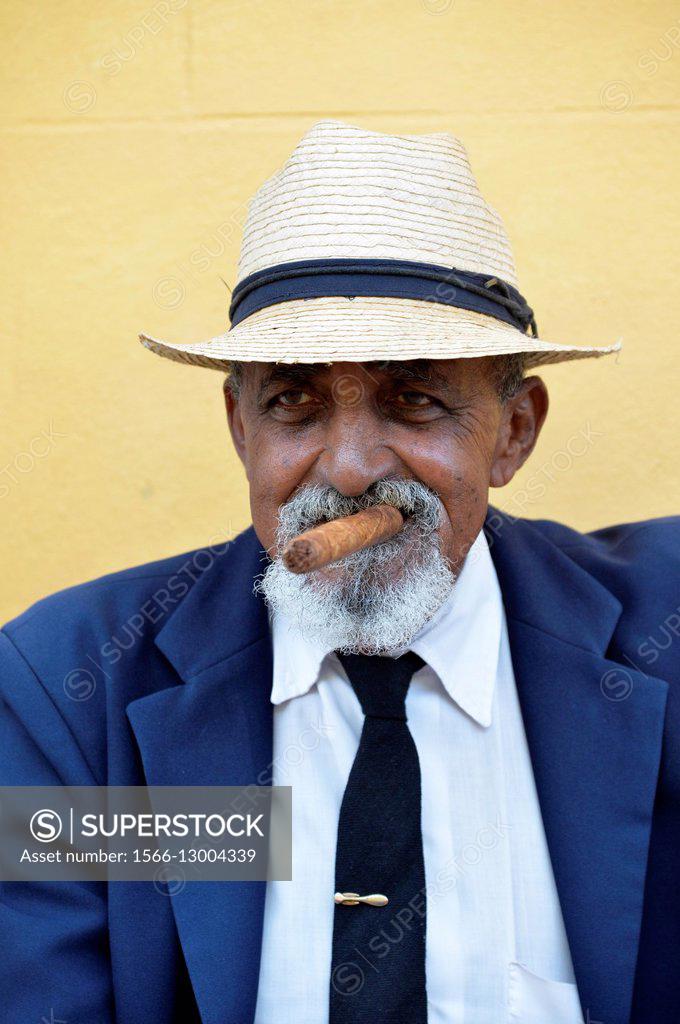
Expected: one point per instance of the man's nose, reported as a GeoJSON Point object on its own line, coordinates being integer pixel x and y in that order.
{"type": "Point", "coordinates": [356, 454]}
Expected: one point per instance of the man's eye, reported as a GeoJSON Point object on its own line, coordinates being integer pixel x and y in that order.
{"type": "Point", "coordinates": [413, 400]}
{"type": "Point", "coordinates": [293, 398]}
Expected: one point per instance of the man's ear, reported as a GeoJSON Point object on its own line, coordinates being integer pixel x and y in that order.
{"type": "Point", "coordinates": [235, 421]}
{"type": "Point", "coordinates": [521, 421]}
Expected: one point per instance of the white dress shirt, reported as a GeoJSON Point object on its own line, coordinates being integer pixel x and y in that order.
{"type": "Point", "coordinates": [496, 949]}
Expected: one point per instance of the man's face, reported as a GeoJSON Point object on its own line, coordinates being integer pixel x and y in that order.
{"type": "Point", "coordinates": [348, 425]}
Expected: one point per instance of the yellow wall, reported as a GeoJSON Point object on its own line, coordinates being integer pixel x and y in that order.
{"type": "Point", "coordinates": [134, 132]}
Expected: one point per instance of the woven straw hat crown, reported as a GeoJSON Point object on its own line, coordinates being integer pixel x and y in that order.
{"type": "Point", "coordinates": [350, 194]}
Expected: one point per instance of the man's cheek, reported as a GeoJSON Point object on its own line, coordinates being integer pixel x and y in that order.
{"type": "Point", "coordinates": [264, 506]}
{"type": "Point", "coordinates": [465, 504]}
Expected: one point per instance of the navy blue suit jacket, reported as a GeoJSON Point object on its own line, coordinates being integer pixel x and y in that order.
{"type": "Point", "coordinates": [173, 664]}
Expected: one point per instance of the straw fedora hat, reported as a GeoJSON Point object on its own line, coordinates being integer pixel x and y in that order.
{"type": "Point", "coordinates": [367, 247]}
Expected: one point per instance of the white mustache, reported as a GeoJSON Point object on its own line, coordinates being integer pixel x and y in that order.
{"type": "Point", "coordinates": [314, 504]}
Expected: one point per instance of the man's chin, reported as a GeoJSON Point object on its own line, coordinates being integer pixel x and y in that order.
{"type": "Point", "coordinates": [345, 574]}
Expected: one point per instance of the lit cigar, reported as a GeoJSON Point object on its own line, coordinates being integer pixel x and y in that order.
{"type": "Point", "coordinates": [330, 541]}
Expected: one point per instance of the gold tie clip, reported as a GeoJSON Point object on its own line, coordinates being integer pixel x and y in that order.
{"type": "Point", "coordinates": [351, 899]}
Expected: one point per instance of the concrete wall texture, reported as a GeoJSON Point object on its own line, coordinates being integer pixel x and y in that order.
{"type": "Point", "coordinates": [133, 134]}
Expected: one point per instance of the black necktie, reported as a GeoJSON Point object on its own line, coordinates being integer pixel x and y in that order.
{"type": "Point", "coordinates": [378, 963]}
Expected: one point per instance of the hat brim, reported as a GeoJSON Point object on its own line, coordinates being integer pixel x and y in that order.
{"type": "Point", "coordinates": [366, 329]}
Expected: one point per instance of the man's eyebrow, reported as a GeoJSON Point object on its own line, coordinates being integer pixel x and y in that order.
{"type": "Point", "coordinates": [415, 371]}
{"type": "Point", "coordinates": [288, 373]}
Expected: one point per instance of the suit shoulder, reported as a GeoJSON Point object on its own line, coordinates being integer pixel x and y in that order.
{"type": "Point", "coordinates": [138, 601]}
{"type": "Point", "coordinates": [103, 600]}
{"type": "Point", "coordinates": [623, 541]}
{"type": "Point", "coordinates": [638, 561]}
{"type": "Point", "coordinates": [83, 653]}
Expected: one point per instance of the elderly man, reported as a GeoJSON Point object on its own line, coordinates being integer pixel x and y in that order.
{"type": "Point", "coordinates": [485, 775]}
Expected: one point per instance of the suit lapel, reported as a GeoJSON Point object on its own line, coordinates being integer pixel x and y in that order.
{"type": "Point", "coordinates": [594, 729]}
{"type": "Point", "coordinates": [215, 728]}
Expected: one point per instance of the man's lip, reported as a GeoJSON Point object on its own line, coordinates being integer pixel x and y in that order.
{"type": "Point", "coordinates": [345, 515]}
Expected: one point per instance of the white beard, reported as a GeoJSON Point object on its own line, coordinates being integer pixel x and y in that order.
{"type": "Point", "coordinates": [374, 601]}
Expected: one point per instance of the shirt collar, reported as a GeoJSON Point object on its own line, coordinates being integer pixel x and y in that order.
{"type": "Point", "coordinates": [460, 643]}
